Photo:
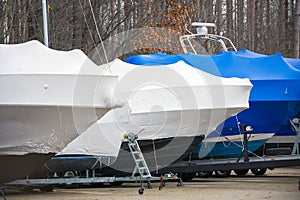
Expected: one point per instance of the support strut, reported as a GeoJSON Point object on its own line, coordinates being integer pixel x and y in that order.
{"type": "Point", "coordinates": [2, 194]}
{"type": "Point", "coordinates": [295, 122]}
{"type": "Point", "coordinates": [245, 131]}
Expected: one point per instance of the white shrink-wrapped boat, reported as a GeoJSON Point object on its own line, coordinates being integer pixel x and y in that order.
{"type": "Point", "coordinates": [47, 98]}
{"type": "Point", "coordinates": [172, 107]}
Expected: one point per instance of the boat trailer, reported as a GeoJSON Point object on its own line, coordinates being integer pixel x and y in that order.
{"type": "Point", "coordinates": [140, 174]}
{"type": "Point", "coordinates": [257, 164]}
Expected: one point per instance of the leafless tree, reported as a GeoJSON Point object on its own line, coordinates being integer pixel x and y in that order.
{"type": "Point", "coordinates": [297, 30]}
{"type": "Point", "coordinates": [265, 26]}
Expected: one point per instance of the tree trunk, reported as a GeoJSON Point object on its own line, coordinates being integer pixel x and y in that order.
{"type": "Point", "coordinates": [240, 23]}
{"type": "Point", "coordinates": [77, 25]}
{"type": "Point", "coordinates": [219, 21]}
{"type": "Point", "coordinates": [267, 27]}
{"type": "Point", "coordinates": [282, 27]}
{"type": "Point", "coordinates": [297, 30]}
{"type": "Point", "coordinates": [229, 19]}
{"type": "Point", "coordinates": [209, 9]}
{"type": "Point", "coordinates": [257, 20]}
{"type": "Point", "coordinates": [250, 24]}
{"type": "Point", "coordinates": [4, 20]}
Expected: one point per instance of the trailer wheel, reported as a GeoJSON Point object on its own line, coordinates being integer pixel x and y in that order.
{"type": "Point", "coordinates": [141, 191]}
{"type": "Point", "coordinates": [259, 171]}
{"type": "Point", "coordinates": [205, 174]}
{"type": "Point", "coordinates": [69, 174]}
{"type": "Point", "coordinates": [241, 172]}
{"type": "Point", "coordinates": [223, 173]}
{"type": "Point", "coordinates": [187, 176]}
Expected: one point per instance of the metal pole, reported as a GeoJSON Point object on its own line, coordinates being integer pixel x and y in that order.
{"type": "Point", "coordinates": [45, 23]}
{"type": "Point", "coordinates": [246, 159]}
{"type": "Point", "coordinates": [296, 128]}
{"type": "Point", "coordinates": [245, 147]}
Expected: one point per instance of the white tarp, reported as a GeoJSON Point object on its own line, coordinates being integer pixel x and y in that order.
{"type": "Point", "coordinates": [33, 57]}
{"type": "Point", "coordinates": [164, 101]}
{"type": "Point", "coordinates": [49, 97]}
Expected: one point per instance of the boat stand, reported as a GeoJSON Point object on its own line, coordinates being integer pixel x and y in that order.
{"type": "Point", "coordinates": [296, 127]}
{"type": "Point", "coordinates": [245, 131]}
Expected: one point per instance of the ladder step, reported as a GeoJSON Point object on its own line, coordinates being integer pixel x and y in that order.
{"type": "Point", "coordinates": [142, 168]}
{"type": "Point", "coordinates": [133, 147]}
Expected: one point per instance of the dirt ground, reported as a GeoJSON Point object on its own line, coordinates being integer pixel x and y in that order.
{"type": "Point", "coordinates": [281, 184]}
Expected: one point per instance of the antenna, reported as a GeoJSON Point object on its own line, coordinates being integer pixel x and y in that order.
{"type": "Point", "coordinates": [202, 27]}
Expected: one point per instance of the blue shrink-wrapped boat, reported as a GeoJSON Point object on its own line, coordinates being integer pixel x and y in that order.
{"type": "Point", "coordinates": [274, 99]}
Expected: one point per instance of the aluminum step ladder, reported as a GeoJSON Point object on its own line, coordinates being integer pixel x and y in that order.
{"type": "Point", "coordinates": [137, 155]}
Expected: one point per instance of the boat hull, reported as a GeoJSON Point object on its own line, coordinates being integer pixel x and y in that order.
{"type": "Point", "coordinates": [230, 146]}
{"type": "Point", "coordinates": [261, 116]}
{"type": "Point", "coordinates": [284, 138]}
{"type": "Point", "coordinates": [165, 138]}
{"type": "Point", "coordinates": [158, 153]}
{"type": "Point", "coordinates": [29, 129]}
{"type": "Point", "coordinates": [18, 166]}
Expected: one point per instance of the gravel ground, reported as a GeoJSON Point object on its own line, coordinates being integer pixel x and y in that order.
{"type": "Point", "coordinates": [281, 183]}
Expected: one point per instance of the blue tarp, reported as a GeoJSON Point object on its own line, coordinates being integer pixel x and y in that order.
{"type": "Point", "coordinates": [243, 63]}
